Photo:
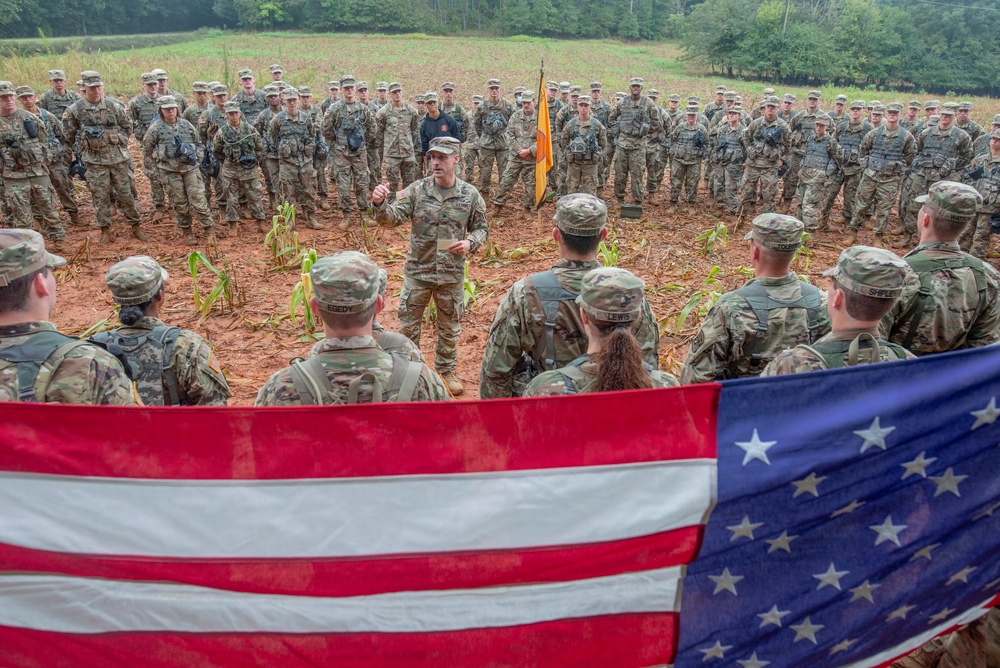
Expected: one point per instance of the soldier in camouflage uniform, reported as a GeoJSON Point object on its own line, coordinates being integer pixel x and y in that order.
{"type": "Point", "coordinates": [448, 221]}
{"type": "Point", "coordinates": [347, 127]}
{"type": "Point", "coordinates": [839, 114]}
{"type": "Point", "coordinates": [322, 152]}
{"type": "Point", "coordinates": [171, 142]}
{"type": "Point", "coordinates": [333, 95]}
{"type": "Point", "coordinates": [57, 100]}
{"type": "Point", "coordinates": [822, 159]}
{"type": "Point", "coordinates": [371, 151]}
{"type": "Point", "coordinates": [654, 173]}
{"type": "Point", "coordinates": [276, 72]}
{"type": "Point", "coordinates": [866, 283]}
{"type": "Point", "coordinates": [688, 146]}
{"type": "Point", "coordinates": [520, 344]}
{"type": "Point", "coordinates": [171, 366]}
{"type": "Point", "coordinates": [522, 140]}
{"type": "Point", "coordinates": [911, 121]}
{"type": "Point", "coordinates": [962, 120]}
{"type": "Point", "coordinates": [886, 152]}
{"type": "Point", "coordinates": [398, 133]}
{"type": "Point", "coordinates": [984, 175]}
{"type": "Point", "coordinates": [240, 149]}
{"type": "Point", "coordinates": [849, 133]}
{"type": "Point", "coordinates": [294, 136]}
{"type": "Point", "coordinates": [801, 126]}
{"type": "Point", "coordinates": [601, 110]}
{"type": "Point", "coordinates": [718, 106]}
{"type": "Point", "coordinates": [24, 159]}
{"type": "Point", "coordinates": [250, 99]}
{"type": "Point", "coordinates": [491, 121]}
{"type": "Point", "coordinates": [765, 144]}
{"type": "Point", "coordinates": [60, 153]}
{"type": "Point", "coordinates": [610, 300]}
{"type": "Point", "coordinates": [202, 101]}
{"type": "Point", "coordinates": [729, 160]}
{"type": "Point", "coordinates": [759, 110]}
{"type": "Point", "coordinates": [162, 89]}
{"type": "Point", "coordinates": [144, 111]}
{"type": "Point", "coordinates": [637, 118]}
{"type": "Point", "coordinates": [101, 129]}
{"type": "Point", "coordinates": [72, 371]}
{"type": "Point", "coordinates": [208, 124]}
{"type": "Point", "coordinates": [787, 113]}
{"type": "Point", "coordinates": [950, 300]}
{"type": "Point", "coordinates": [462, 117]}
{"type": "Point", "coordinates": [583, 144]}
{"type": "Point", "coordinates": [748, 327]}
{"type": "Point", "coordinates": [567, 112]}
{"type": "Point", "coordinates": [471, 158]}
{"type": "Point", "coordinates": [982, 145]}
{"type": "Point", "coordinates": [348, 366]}
{"type": "Point", "coordinates": [262, 125]}
{"type": "Point", "coordinates": [943, 152]}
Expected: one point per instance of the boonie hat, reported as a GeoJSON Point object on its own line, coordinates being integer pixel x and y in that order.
{"type": "Point", "coordinates": [23, 252]}
{"type": "Point", "coordinates": [777, 232]}
{"type": "Point", "coordinates": [581, 215]}
{"type": "Point", "coordinates": [345, 282]}
{"type": "Point", "coordinates": [611, 294]}
{"type": "Point", "coordinates": [871, 272]}
{"type": "Point", "coordinates": [135, 280]}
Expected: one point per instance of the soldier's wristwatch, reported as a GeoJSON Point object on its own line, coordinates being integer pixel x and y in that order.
{"type": "Point", "coordinates": [472, 245]}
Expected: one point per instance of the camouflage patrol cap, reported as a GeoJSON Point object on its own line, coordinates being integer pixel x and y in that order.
{"type": "Point", "coordinates": [692, 109]}
{"type": "Point", "coordinates": [823, 119]}
{"type": "Point", "coordinates": [23, 252]}
{"type": "Point", "coordinates": [952, 201]}
{"type": "Point", "coordinates": [135, 280]}
{"type": "Point", "coordinates": [768, 91]}
{"type": "Point", "coordinates": [245, 74]}
{"type": "Point", "coordinates": [167, 102]}
{"type": "Point", "coordinates": [348, 80]}
{"type": "Point", "coordinates": [585, 100]}
{"type": "Point", "coordinates": [814, 94]}
{"type": "Point", "coordinates": [652, 92]}
{"type": "Point", "coordinates": [575, 90]}
{"type": "Point", "coordinates": [448, 85]}
{"type": "Point", "coordinates": [383, 281]}
{"type": "Point", "coordinates": [736, 108]}
{"type": "Point", "coordinates": [213, 84]}
{"type": "Point", "coordinates": [729, 95]}
{"type": "Point", "coordinates": [445, 145]}
{"type": "Point", "coordinates": [202, 87]}
{"type": "Point", "coordinates": [914, 104]}
{"type": "Point", "coordinates": [291, 93]}
{"type": "Point", "coordinates": [611, 294]}
{"type": "Point", "coordinates": [395, 86]}
{"type": "Point", "coordinates": [581, 215]}
{"type": "Point", "coordinates": [345, 282]}
{"type": "Point", "coordinates": [996, 119]}
{"type": "Point", "coordinates": [333, 85]}
{"type": "Point", "coordinates": [720, 89]}
{"type": "Point", "coordinates": [965, 106]}
{"type": "Point", "coordinates": [871, 272]}
{"type": "Point", "coordinates": [361, 85]}
{"type": "Point", "coordinates": [148, 78]}
{"type": "Point", "coordinates": [933, 120]}
{"type": "Point", "coordinates": [24, 91]}
{"type": "Point", "coordinates": [271, 91]}
{"type": "Point", "coordinates": [995, 134]}
{"type": "Point", "coordinates": [596, 85]}
{"type": "Point", "coordinates": [281, 85]}
{"type": "Point", "coordinates": [788, 98]}
{"type": "Point", "coordinates": [858, 104]}
{"type": "Point", "coordinates": [79, 83]}
{"type": "Point", "coordinates": [305, 91]}
{"type": "Point", "coordinates": [276, 68]}
{"type": "Point", "coordinates": [529, 96]}
{"type": "Point", "coordinates": [430, 96]}
{"type": "Point", "coordinates": [840, 99]}
{"type": "Point", "coordinates": [694, 99]}
{"type": "Point", "coordinates": [878, 108]}
{"type": "Point", "coordinates": [874, 103]}
{"type": "Point", "coordinates": [492, 83]}
{"type": "Point", "coordinates": [57, 75]}
{"type": "Point", "coordinates": [551, 85]}
{"type": "Point", "coordinates": [91, 79]}
{"type": "Point", "coordinates": [948, 109]}
{"type": "Point", "coordinates": [674, 97]}
{"type": "Point", "coordinates": [564, 86]}
{"type": "Point", "coordinates": [231, 106]}
{"type": "Point", "coordinates": [419, 98]}
{"type": "Point", "coordinates": [896, 107]}
{"type": "Point", "coordinates": [477, 98]}
{"type": "Point", "coordinates": [383, 85]}
{"type": "Point", "coordinates": [220, 89]}
{"type": "Point", "coordinates": [932, 104]}
{"type": "Point", "coordinates": [777, 232]}
{"type": "Point", "coordinates": [770, 101]}
{"type": "Point", "coordinates": [160, 73]}
{"type": "Point", "coordinates": [635, 81]}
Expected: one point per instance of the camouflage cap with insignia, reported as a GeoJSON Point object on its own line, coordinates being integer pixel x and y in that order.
{"type": "Point", "coordinates": [652, 92]}
{"type": "Point", "coordinates": [878, 109]}
{"type": "Point", "coordinates": [596, 85]}
{"type": "Point", "coordinates": [581, 215]}
{"type": "Point", "coordinates": [271, 91]}
{"type": "Point", "coordinates": [361, 85]}
{"type": "Point", "coordinates": [492, 83]}
{"type": "Point", "coordinates": [720, 89]}
{"type": "Point", "coordinates": [611, 294]}
{"type": "Point", "coordinates": [635, 81]}
{"type": "Point", "coordinates": [948, 109]}
{"type": "Point", "coordinates": [952, 201]}
{"type": "Point", "coordinates": [305, 91]}
{"type": "Point", "coordinates": [245, 74]}
{"type": "Point", "coordinates": [24, 91]}
{"type": "Point", "coordinates": [148, 78]}
{"type": "Point", "coordinates": [161, 74]}
{"type": "Point", "coordinates": [419, 97]}
{"type": "Point", "coordinates": [965, 106]}
{"type": "Point", "coordinates": [585, 100]}
{"type": "Point", "coordinates": [347, 80]}
{"type": "Point", "coordinates": [135, 280]}
{"type": "Point", "coordinates": [395, 87]}
{"type": "Point", "coordinates": [551, 85]}
{"type": "Point", "coordinates": [896, 107]}
{"type": "Point", "coordinates": [430, 96]}
{"type": "Point", "coordinates": [564, 86]}
{"type": "Point", "coordinates": [230, 106]}
{"type": "Point", "coordinates": [446, 145]}
{"type": "Point", "coordinates": [57, 75]}
{"type": "Point", "coordinates": [91, 79]}
{"type": "Point", "coordinates": [823, 119]}
{"type": "Point", "coordinates": [575, 90]}
{"type": "Point", "coordinates": [276, 68]}
{"type": "Point", "coordinates": [913, 104]}
{"type": "Point", "coordinates": [333, 84]}
{"type": "Point", "coordinates": [167, 102]}
{"type": "Point", "coordinates": [996, 119]}
{"type": "Point", "coordinates": [776, 232]}
{"type": "Point", "coordinates": [770, 101]}
{"type": "Point", "coordinates": [345, 282]}
{"type": "Point", "coordinates": [840, 99]}
{"type": "Point", "coordinates": [448, 85]}
{"type": "Point", "coordinates": [202, 87]}
{"type": "Point", "coordinates": [692, 109]}
{"type": "Point", "coordinates": [23, 252]}
{"type": "Point", "coordinates": [871, 272]}
{"type": "Point", "coordinates": [529, 96]}
{"type": "Point", "coordinates": [674, 97]}
{"type": "Point", "coordinates": [291, 93]}
{"type": "Point", "coordinates": [788, 98]}
{"type": "Point", "coordinates": [220, 90]}
{"type": "Point", "coordinates": [729, 95]}
{"type": "Point", "coordinates": [995, 134]}
{"type": "Point", "coordinates": [477, 98]}
{"type": "Point", "coordinates": [932, 104]}
{"type": "Point", "coordinates": [858, 104]}
{"type": "Point", "coordinates": [768, 91]}
{"type": "Point", "coordinates": [383, 85]}
{"type": "Point", "coordinates": [814, 94]}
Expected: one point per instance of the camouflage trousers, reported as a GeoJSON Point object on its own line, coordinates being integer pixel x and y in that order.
{"type": "Point", "coordinates": [629, 165]}
{"type": "Point", "coordinates": [63, 184]}
{"type": "Point", "coordinates": [152, 172]}
{"type": "Point", "coordinates": [322, 187]}
{"type": "Point", "coordinates": [297, 184]}
{"type": "Point", "coordinates": [582, 177]}
{"type": "Point", "coordinates": [727, 193]}
{"type": "Point", "coordinates": [374, 168]}
{"type": "Point", "coordinates": [562, 171]}
{"type": "Point", "coordinates": [812, 194]}
{"type": "Point", "coordinates": [102, 180]}
{"type": "Point", "coordinates": [413, 300]}
{"type": "Point", "coordinates": [517, 168]}
{"type": "Point", "coordinates": [470, 159]}
{"type": "Point", "coordinates": [244, 184]}
{"type": "Point", "coordinates": [767, 179]}
{"type": "Point", "coordinates": [791, 180]}
{"type": "Point", "coordinates": [684, 176]}
{"type": "Point", "coordinates": [975, 238]}
{"type": "Point", "coordinates": [32, 195]}
{"type": "Point", "coordinates": [881, 191]}
{"type": "Point", "coordinates": [352, 170]}
{"type": "Point", "coordinates": [487, 158]}
{"type": "Point", "coordinates": [653, 167]}
{"type": "Point", "coordinates": [849, 183]}
{"type": "Point", "coordinates": [400, 172]}
{"type": "Point", "coordinates": [187, 191]}
{"type": "Point", "coordinates": [272, 172]}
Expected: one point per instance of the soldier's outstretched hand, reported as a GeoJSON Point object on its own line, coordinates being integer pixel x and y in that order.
{"type": "Point", "coordinates": [380, 193]}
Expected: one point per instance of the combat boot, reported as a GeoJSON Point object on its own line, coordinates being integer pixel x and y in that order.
{"type": "Point", "coordinates": [74, 218]}
{"type": "Point", "coordinates": [189, 237]}
{"type": "Point", "coordinates": [905, 241]}
{"type": "Point", "coordinates": [234, 228]}
{"type": "Point", "coordinates": [222, 231]}
{"type": "Point", "coordinates": [454, 386]}
{"type": "Point", "coordinates": [324, 204]}
{"type": "Point", "coordinates": [879, 241]}
{"type": "Point", "coordinates": [312, 223]}
{"type": "Point", "coordinates": [345, 223]}
{"type": "Point", "coordinates": [105, 236]}
{"type": "Point", "coordinates": [139, 234]}
{"type": "Point", "coordinates": [262, 227]}
{"type": "Point", "coordinates": [210, 238]}
{"type": "Point", "coordinates": [271, 203]}
{"type": "Point", "coordinates": [851, 238]}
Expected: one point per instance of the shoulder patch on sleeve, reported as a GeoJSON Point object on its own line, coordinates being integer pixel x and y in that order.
{"type": "Point", "coordinates": [213, 363]}
{"type": "Point", "coordinates": [400, 194]}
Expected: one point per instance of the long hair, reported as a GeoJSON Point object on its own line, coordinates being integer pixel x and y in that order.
{"type": "Point", "coordinates": [619, 362]}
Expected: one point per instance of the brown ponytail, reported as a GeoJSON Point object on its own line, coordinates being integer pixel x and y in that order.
{"type": "Point", "coordinates": [619, 362]}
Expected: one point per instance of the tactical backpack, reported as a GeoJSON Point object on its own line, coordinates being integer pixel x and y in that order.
{"type": "Point", "coordinates": [149, 356]}
{"type": "Point", "coordinates": [572, 375]}
{"type": "Point", "coordinates": [31, 355]}
{"type": "Point", "coordinates": [314, 387]}
{"type": "Point", "coordinates": [838, 354]}
{"type": "Point", "coordinates": [184, 152]}
{"type": "Point", "coordinates": [495, 123]}
{"type": "Point", "coordinates": [352, 129]}
{"type": "Point", "coordinates": [762, 303]}
{"type": "Point", "coordinates": [209, 166]}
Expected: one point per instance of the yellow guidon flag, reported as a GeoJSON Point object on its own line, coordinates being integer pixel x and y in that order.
{"type": "Point", "coordinates": [543, 152]}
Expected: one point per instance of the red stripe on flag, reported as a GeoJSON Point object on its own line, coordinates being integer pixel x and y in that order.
{"type": "Point", "coordinates": [377, 575]}
{"type": "Point", "coordinates": [612, 641]}
{"type": "Point", "coordinates": [354, 441]}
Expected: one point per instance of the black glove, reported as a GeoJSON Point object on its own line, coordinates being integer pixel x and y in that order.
{"type": "Point", "coordinates": [995, 223]}
{"type": "Point", "coordinates": [782, 168]}
{"type": "Point", "coordinates": [976, 173]}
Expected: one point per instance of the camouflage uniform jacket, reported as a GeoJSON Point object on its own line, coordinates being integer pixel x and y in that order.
{"type": "Point", "coordinates": [334, 130]}
{"type": "Point", "coordinates": [724, 345]}
{"type": "Point", "coordinates": [180, 99]}
{"type": "Point", "coordinates": [601, 111]}
{"type": "Point", "coordinates": [159, 144]}
{"type": "Point", "coordinates": [849, 136]}
{"type": "Point", "coordinates": [86, 375]}
{"type": "Point", "coordinates": [684, 140]}
{"type": "Point", "coordinates": [230, 143]}
{"type": "Point", "coordinates": [144, 111]}
{"type": "Point", "coordinates": [326, 104]}
{"type": "Point", "coordinates": [554, 108]}
{"type": "Point", "coordinates": [981, 145]}
{"type": "Point", "coordinates": [57, 104]}
{"type": "Point", "coordinates": [193, 114]}
{"type": "Point", "coordinates": [490, 140]}
{"type": "Point", "coordinates": [553, 383]}
{"type": "Point", "coordinates": [21, 156]}
{"type": "Point", "coordinates": [930, 159]}
{"type": "Point", "coordinates": [914, 127]}
{"type": "Point", "coordinates": [209, 123]}
{"type": "Point", "coordinates": [401, 344]}
{"type": "Point", "coordinates": [712, 109]}
{"type": "Point", "coordinates": [398, 133]}
{"type": "Point", "coordinates": [802, 125]}
{"type": "Point", "coordinates": [199, 377]}
{"type": "Point", "coordinates": [907, 149]}
{"type": "Point", "coordinates": [759, 154]}
{"type": "Point", "coordinates": [519, 324]}
{"type": "Point", "coordinates": [436, 215]}
{"type": "Point", "coordinates": [263, 125]}
{"type": "Point", "coordinates": [522, 133]}
{"type": "Point", "coordinates": [457, 112]}
{"type": "Point", "coordinates": [973, 129]}
{"type": "Point", "coordinates": [344, 360]}
{"type": "Point", "coordinates": [251, 105]}
{"type": "Point", "coordinates": [803, 358]}
{"type": "Point", "coordinates": [989, 185]}
{"type": "Point", "coordinates": [821, 158]}
{"type": "Point", "coordinates": [573, 130]}
{"type": "Point", "coordinates": [631, 134]}
{"type": "Point", "coordinates": [953, 317]}
{"type": "Point", "coordinates": [107, 118]}
{"type": "Point", "coordinates": [293, 137]}
{"type": "Point", "coordinates": [57, 140]}
{"type": "Point", "coordinates": [564, 116]}
{"type": "Point", "coordinates": [727, 144]}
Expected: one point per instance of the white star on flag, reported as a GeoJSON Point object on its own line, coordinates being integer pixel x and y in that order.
{"type": "Point", "coordinates": [900, 612]}
{"type": "Point", "coordinates": [849, 508]}
{"type": "Point", "coordinates": [863, 590]}
{"type": "Point", "coordinates": [782, 542]}
{"type": "Point", "coordinates": [716, 651]}
{"type": "Point", "coordinates": [887, 531]}
{"type": "Point", "coordinates": [961, 576]}
{"type": "Point", "coordinates": [842, 646]}
{"type": "Point", "coordinates": [831, 578]}
{"type": "Point", "coordinates": [754, 662]}
{"type": "Point", "coordinates": [773, 616]}
{"type": "Point", "coordinates": [947, 482]}
{"type": "Point", "coordinates": [874, 436]}
{"type": "Point", "coordinates": [917, 466]}
{"type": "Point", "coordinates": [744, 529]}
{"type": "Point", "coordinates": [986, 415]}
{"type": "Point", "coordinates": [755, 449]}
{"type": "Point", "coordinates": [808, 484]}
{"type": "Point", "coordinates": [806, 630]}
{"type": "Point", "coordinates": [925, 552]}
{"type": "Point", "coordinates": [725, 582]}
{"type": "Point", "coordinates": [941, 616]}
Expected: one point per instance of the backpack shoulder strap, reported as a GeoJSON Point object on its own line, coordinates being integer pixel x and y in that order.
{"type": "Point", "coordinates": [166, 336]}
{"type": "Point", "coordinates": [550, 293]}
{"type": "Point", "coordinates": [310, 381]}
{"type": "Point", "coordinates": [404, 378]}
{"type": "Point", "coordinates": [31, 355]}
{"type": "Point", "coordinates": [814, 307]}
{"type": "Point", "coordinates": [572, 375]}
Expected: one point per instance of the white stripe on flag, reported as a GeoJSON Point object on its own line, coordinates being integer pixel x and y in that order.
{"type": "Point", "coordinates": [83, 605]}
{"type": "Point", "coordinates": [350, 517]}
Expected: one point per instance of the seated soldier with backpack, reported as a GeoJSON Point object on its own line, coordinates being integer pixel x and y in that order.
{"type": "Point", "coordinates": [348, 366]}
{"type": "Point", "coordinates": [171, 366]}
{"type": "Point", "coordinates": [37, 363]}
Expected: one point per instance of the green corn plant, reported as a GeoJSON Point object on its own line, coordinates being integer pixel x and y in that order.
{"type": "Point", "coordinates": [803, 255]}
{"type": "Point", "coordinates": [492, 254]}
{"type": "Point", "coordinates": [226, 292]}
{"type": "Point", "coordinates": [302, 293]}
{"type": "Point", "coordinates": [745, 272]}
{"type": "Point", "coordinates": [708, 239]}
{"type": "Point", "coordinates": [282, 241]}
{"type": "Point", "coordinates": [102, 325]}
{"type": "Point", "coordinates": [609, 253]}
{"type": "Point", "coordinates": [702, 300]}
{"type": "Point", "coordinates": [468, 288]}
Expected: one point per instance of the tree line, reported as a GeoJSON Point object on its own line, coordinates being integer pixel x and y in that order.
{"type": "Point", "coordinates": [937, 46]}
